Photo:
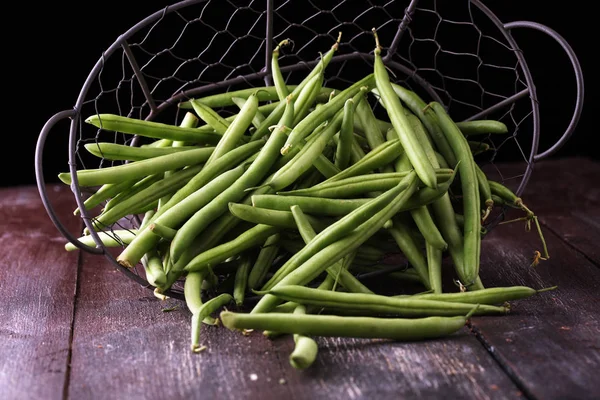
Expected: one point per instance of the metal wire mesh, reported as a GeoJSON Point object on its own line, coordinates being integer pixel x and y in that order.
{"type": "Point", "coordinates": [453, 52]}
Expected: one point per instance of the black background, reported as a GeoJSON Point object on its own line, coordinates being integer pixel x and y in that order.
{"type": "Point", "coordinates": [52, 46]}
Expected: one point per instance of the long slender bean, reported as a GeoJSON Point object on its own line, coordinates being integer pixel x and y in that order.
{"type": "Point", "coordinates": [205, 310]}
{"type": "Point", "coordinates": [278, 80]}
{"type": "Point", "coordinates": [470, 194]}
{"type": "Point", "coordinates": [344, 144]}
{"type": "Point", "coordinates": [240, 284]}
{"type": "Point", "coordinates": [263, 262]}
{"type": "Point", "coordinates": [408, 329]}
{"type": "Point", "coordinates": [408, 306]}
{"type": "Point", "coordinates": [138, 169]}
{"type": "Point", "coordinates": [112, 238]}
{"type": "Point", "coordinates": [413, 148]}
{"type": "Point", "coordinates": [305, 348]}
{"type": "Point", "coordinates": [151, 129]}
{"type": "Point", "coordinates": [210, 117]}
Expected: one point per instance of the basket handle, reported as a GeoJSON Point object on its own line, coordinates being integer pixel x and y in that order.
{"type": "Point", "coordinates": [39, 174]}
{"type": "Point", "coordinates": [578, 80]}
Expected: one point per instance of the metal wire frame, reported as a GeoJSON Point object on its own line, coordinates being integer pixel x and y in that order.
{"type": "Point", "coordinates": [156, 108]}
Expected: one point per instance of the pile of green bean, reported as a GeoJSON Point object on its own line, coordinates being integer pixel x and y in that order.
{"type": "Point", "coordinates": [283, 208]}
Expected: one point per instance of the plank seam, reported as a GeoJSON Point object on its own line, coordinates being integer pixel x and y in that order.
{"type": "Point", "coordinates": [512, 375]}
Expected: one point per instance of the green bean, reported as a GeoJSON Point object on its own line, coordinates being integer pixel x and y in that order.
{"type": "Point", "coordinates": [470, 193]}
{"type": "Point", "coordinates": [172, 218]}
{"type": "Point", "coordinates": [241, 280]}
{"type": "Point", "coordinates": [374, 159]}
{"type": "Point", "coordinates": [408, 246]}
{"type": "Point", "coordinates": [327, 111]}
{"type": "Point", "coordinates": [372, 132]}
{"type": "Point", "coordinates": [282, 219]}
{"type": "Point", "coordinates": [145, 196]}
{"type": "Point", "coordinates": [408, 306]}
{"type": "Point", "coordinates": [122, 152]}
{"type": "Point", "coordinates": [355, 152]}
{"type": "Point", "coordinates": [163, 231]}
{"type": "Point", "coordinates": [328, 252]}
{"type": "Point", "coordinates": [234, 132]}
{"type": "Point", "coordinates": [344, 144]}
{"type": "Point", "coordinates": [482, 127]}
{"type": "Point", "coordinates": [258, 116]}
{"type": "Point", "coordinates": [151, 129]}
{"type": "Point", "coordinates": [222, 164]}
{"type": "Point", "coordinates": [204, 311]}
{"type": "Point", "coordinates": [339, 270]}
{"type": "Point", "coordinates": [210, 117]}
{"type": "Point", "coordinates": [491, 296]}
{"type": "Point", "coordinates": [408, 329]}
{"type": "Point", "coordinates": [138, 169]}
{"type": "Point", "coordinates": [307, 96]}
{"type": "Point", "coordinates": [360, 185]}
{"type": "Point", "coordinates": [104, 193]}
{"type": "Point", "coordinates": [247, 240]}
{"type": "Point", "coordinates": [154, 269]}
{"type": "Point", "coordinates": [112, 238]}
{"type": "Point", "coordinates": [279, 82]}
{"type": "Point", "coordinates": [219, 204]}
{"type": "Point", "coordinates": [305, 348]}
{"type": "Point", "coordinates": [485, 192]}
{"type": "Point", "coordinates": [434, 266]}
{"type": "Point", "coordinates": [267, 254]}
{"type": "Point", "coordinates": [478, 147]}
{"type": "Point", "coordinates": [413, 148]}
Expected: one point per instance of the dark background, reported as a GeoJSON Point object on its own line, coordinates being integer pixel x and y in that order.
{"type": "Point", "coordinates": [55, 45]}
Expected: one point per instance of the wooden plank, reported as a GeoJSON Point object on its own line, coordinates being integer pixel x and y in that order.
{"type": "Point", "coordinates": [550, 342]}
{"type": "Point", "coordinates": [125, 346]}
{"type": "Point", "coordinates": [37, 282]}
{"type": "Point", "coordinates": [563, 190]}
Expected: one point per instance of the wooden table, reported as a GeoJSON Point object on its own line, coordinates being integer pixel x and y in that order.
{"type": "Point", "coordinates": [74, 327]}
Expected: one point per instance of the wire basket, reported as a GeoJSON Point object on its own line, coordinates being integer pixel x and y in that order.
{"type": "Point", "coordinates": [457, 53]}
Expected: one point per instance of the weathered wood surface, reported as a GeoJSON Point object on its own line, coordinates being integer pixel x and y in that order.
{"type": "Point", "coordinates": [82, 330]}
{"type": "Point", "coordinates": [37, 281]}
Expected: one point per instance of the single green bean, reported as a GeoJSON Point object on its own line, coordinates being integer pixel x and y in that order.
{"type": "Point", "coordinates": [408, 329]}
{"type": "Point", "coordinates": [413, 148]}
{"type": "Point", "coordinates": [241, 280]}
{"type": "Point", "coordinates": [409, 247]}
{"type": "Point", "coordinates": [154, 269]}
{"type": "Point", "coordinates": [112, 238]}
{"type": "Point", "coordinates": [205, 310]}
{"type": "Point", "coordinates": [344, 144]}
{"type": "Point", "coordinates": [491, 296]}
{"type": "Point", "coordinates": [305, 348]}
{"type": "Point", "coordinates": [210, 117]}
{"type": "Point", "coordinates": [258, 116]}
{"type": "Point", "coordinates": [163, 231]}
{"type": "Point", "coordinates": [470, 194]}
{"type": "Point", "coordinates": [123, 152]}
{"type": "Point", "coordinates": [234, 132]}
{"type": "Point", "coordinates": [151, 129]}
{"type": "Point", "coordinates": [267, 254]}
{"type": "Point", "coordinates": [138, 169]}
{"type": "Point", "coordinates": [278, 80]}
{"type": "Point", "coordinates": [482, 127]}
